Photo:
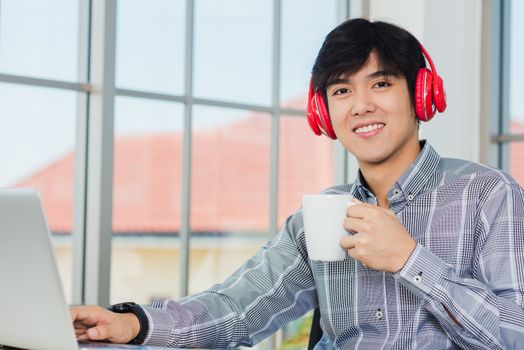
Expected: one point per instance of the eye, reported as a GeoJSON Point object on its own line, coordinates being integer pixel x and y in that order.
{"type": "Point", "coordinates": [383, 84]}
{"type": "Point", "coordinates": [341, 91]}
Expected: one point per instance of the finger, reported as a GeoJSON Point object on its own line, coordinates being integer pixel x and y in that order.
{"type": "Point", "coordinates": [83, 312]}
{"type": "Point", "coordinates": [98, 333]}
{"type": "Point", "coordinates": [356, 254]}
{"type": "Point", "coordinates": [116, 331]}
{"type": "Point", "coordinates": [360, 210]}
{"type": "Point", "coordinates": [83, 337]}
{"type": "Point", "coordinates": [73, 312]}
{"type": "Point", "coordinates": [89, 315]}
{"type": "Point", "coordinates": [80, 332]}
{"type": "Point", "coordinates": [354, 225]}
{"type": "Point", "coordinates": [80, 327]}
{"type": "Point", "coordinates": [109, 332]}
{"type": "Point", "coordinates": [349, 242]}
{"type": "Point", "coordinates": [80, 324]}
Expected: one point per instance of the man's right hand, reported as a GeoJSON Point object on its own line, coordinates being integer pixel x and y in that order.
{"type": "Point", "coordinates": [96, 323]}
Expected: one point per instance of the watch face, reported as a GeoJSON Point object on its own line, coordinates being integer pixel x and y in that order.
{"type": "Point", "coordinates": [122, 307]}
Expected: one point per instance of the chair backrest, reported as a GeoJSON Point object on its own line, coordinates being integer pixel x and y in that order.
{"type": "Point", "coordinates": [316, 331]}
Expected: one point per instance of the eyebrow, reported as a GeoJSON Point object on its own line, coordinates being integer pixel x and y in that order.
{"type": "Point", "coordinates": [374, 75]}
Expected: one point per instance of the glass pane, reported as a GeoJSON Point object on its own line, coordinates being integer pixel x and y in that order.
{"type": "Point", "coordinates": [516, 152]}
{"type": "Point", "coordinates": [516, 91]}
{"type": "Point", "coordinates": [146, 200]}
{"type": "Point", "coordinates": [229, 191]}
{"type": "Point", "coordinates": [37, 141]}
{"type": "Point", "coordinates": [305, 164]}
{"type": "Point", "coordinates": [516, 162]}
{"type": "Point", "coordinates": [39, 38]}
{"type": "Point", "coordinates": [233, 50]}
{"type": "Point", "coordinates": [305, 24]}
{"type": "Point", "coordinates": [150, 45]}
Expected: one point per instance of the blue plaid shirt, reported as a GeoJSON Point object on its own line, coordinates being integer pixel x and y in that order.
{"type": "Point", "coordinates": [462, 287]}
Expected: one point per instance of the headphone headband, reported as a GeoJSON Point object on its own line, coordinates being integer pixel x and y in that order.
{"type": "Point", "coordinates": [428, 58]}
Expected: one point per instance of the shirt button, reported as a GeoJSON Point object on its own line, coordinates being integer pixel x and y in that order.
{"type": "Point", "coordinates": [379, 314]}
{"type": "Point", "coordinates": [410, 197]}
{"type": "Point", "coordinates": [417, 279]}
{"type": "Point", "coordinates": [396, 192]}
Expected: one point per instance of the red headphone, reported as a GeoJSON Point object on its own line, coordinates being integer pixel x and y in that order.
{"type": "Point", "coordinates": [430, 97]}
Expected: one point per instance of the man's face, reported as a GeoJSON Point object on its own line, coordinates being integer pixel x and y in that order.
{"type": "Point", "coordinates": [372, 115]}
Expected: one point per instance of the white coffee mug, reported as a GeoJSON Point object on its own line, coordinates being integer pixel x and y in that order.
{"type": "Point", "coordinates": [323, 216]}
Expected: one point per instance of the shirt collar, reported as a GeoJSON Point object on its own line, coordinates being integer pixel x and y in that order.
{"type": "Point", "coordinates": [419, 172]}
{"type": "Point", "coordinates": [410, 183]}
{"type": "Point", "coordinates": [360, 191]}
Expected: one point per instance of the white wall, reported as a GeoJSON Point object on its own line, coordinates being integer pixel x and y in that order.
{"type": "Point", "coordinates": [451, 32]}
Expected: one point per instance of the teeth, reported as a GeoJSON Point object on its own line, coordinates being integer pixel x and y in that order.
{"type": "Point", "coordinates": [369, 128]}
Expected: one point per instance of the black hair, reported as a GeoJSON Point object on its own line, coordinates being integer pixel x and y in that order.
{"type": "Point", "coordinates": [347, 48]}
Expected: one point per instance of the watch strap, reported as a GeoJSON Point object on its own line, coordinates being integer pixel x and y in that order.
{"type": "Point", "coordinates": [130, 307]}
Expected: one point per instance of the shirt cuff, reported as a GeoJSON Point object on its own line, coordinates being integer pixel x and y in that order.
{"type": "Point", "coordinates": [160, 326]}
{"type": "Point", "coordinates": [422, 272]}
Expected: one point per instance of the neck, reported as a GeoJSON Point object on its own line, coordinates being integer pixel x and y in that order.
{"type": "Point", "coordinates": [380, 177]}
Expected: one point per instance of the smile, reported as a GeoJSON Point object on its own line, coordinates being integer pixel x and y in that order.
{"type": "Point", "coordinates": [369, 128]}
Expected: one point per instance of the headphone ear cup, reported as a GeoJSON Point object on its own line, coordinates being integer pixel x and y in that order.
{"type": "Point", "coordinates": [424, 95]}
{"type": "Point", "coordinates": [312, 112]}
{"type": "Point", "coordinates": [439, 94]}
{"type": "Point", "coordinates": [325, 119]}
{"type": "Point", "coordinates": [419, 93]}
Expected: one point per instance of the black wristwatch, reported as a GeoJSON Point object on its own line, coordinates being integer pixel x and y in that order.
{"type": "Point", "coordinates": [130, 307]}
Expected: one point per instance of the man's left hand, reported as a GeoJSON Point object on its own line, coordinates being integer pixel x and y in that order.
{"type": "Point", "coordinates": [380, 241]}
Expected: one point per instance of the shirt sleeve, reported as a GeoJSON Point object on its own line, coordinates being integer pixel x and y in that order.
{"type": "Point", "coordinates": [484, 311]}
{"type": "Point", "coordinates": [271, 289]}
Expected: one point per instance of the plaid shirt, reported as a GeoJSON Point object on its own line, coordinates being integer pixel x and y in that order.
{"type": "Point", "coordinates": [468, 221]}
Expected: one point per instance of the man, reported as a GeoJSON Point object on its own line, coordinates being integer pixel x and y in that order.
{"type": "Point", "coordinates": [436, 258]}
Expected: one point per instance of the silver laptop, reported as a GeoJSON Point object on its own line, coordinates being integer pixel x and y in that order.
{"type": "Point", "coordinates": [33, 310]}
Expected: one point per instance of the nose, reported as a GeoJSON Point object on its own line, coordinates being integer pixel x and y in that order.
{"type": "Point", "coordinates": [362, 103]}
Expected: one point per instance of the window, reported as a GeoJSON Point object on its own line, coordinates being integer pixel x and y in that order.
{"type": "Point", "coordinates": [516, 93]}
{"type": "Point", "coordinates": [40, 41]}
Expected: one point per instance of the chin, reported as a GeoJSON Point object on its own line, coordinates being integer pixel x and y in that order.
{"type": "Point", "coordinates": [369, 153]}
{"type": "Point", "coordinates": [374, 159]}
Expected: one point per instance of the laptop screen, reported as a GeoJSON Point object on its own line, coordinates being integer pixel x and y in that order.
{"type": "Point", "coordinates": [34, 313]}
